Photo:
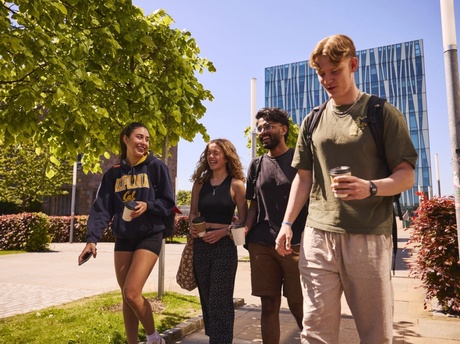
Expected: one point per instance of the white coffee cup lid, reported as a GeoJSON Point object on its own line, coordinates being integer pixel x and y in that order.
{"type": "Point", "coordinates": [339, 170]}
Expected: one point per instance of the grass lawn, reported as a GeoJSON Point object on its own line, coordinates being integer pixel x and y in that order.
{"type": "Point", "coordinates": [5, 252]}
{"type": "Point", "coordinates": [93, 320]}
{"type": "Point", "coordinates": [177, 240]}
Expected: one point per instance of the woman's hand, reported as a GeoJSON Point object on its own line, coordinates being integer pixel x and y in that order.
{"type": "Point", "coordinates": [193, 231]}
{"type": "Point", "coordinates": [140, 209]}
{"type": "Point", "coordinates": [91, 246]}
{"type": "Point", "coordinates": [214, 236]}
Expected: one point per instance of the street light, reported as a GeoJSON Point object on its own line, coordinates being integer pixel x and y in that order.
{"type": "Point", "coordinates": [72, 204]}
{"type": "Point", "coordinates": [453, 99]}
{"type": "Point", "coordinates": [253, 119]}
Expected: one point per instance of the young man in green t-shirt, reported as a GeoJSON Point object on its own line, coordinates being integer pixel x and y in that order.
{"type": "Point", "coordinates": [346, 247]}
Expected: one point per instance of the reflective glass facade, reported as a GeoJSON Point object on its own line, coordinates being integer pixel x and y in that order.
{"type": "Point", "coordinates": [394, 72]}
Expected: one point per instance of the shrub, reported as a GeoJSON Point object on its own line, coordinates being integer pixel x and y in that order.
{"type": "Point", "coordinates": [60, 229]}
{"type": "Point", "coordinates": [434, 238]}
{"type": "Point", "coordinates": [26, 231]}
{"type": "Point", "coordinates": [34, 231]}
{"type": "Point", "coordinates": [182, 226]}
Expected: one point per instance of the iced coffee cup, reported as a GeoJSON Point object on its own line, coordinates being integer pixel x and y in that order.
{"type": "Point", "coordinates": [238, 234]}
{"type": "Point", "coordinates": [200, 224]}
{"type": "Point", "coordinates": [130, 206]}
{"type": "Point", "coordinates": [339, 171]}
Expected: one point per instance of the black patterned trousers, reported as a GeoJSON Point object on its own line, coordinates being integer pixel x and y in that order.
{"type": "Point", "coordinates": [215, 270]}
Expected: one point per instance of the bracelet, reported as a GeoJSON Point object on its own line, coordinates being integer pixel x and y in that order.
{"type": "Point", "coordinates": [286, 223]}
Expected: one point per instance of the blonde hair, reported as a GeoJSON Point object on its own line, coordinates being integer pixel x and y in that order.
{"type": "Point", "coordinates": [203, 172]}
{"type": "Point", "coordinates": [335, 48]}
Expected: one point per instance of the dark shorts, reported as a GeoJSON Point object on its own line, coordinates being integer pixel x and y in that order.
{"type": "Point", "coordinates": [151, 242]}
{"type": "Point", "coordinates": [270, 272]}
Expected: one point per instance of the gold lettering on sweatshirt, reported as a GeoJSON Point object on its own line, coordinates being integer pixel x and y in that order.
{"type": "Point", "coordinates": [128, 182]}
{"type": "Point", "coordinates": [129, 196]}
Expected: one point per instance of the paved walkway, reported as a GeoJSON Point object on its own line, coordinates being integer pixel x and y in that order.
{"type": "Point", "coordinates": [33, 281]}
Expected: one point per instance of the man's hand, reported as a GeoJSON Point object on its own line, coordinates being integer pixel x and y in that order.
{"type": "Point", "coordinates": [355, 188]}
{"type": "Point", "coordinates": [283, 240]}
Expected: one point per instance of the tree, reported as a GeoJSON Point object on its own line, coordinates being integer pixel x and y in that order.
{"type": "Point", "coordinates": [291, 141]}
{"type": "Point", "coordinates": [184, 197]}
{"type": "Point", "coordinates": [23, 179]}
{"type": "Point", "coordinates": [74, 72]}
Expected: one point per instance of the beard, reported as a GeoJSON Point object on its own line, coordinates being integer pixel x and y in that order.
{"type": "Point", "coordinates": [273, 141]}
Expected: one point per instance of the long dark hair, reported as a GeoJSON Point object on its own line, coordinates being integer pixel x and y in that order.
{"type": "Point", "coordinates": [128, 131]}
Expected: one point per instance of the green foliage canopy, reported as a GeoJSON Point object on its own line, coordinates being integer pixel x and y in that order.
{"type": "Point", "coordinates": [184, 197]}
{"type": "Point", "coordinates": [73, 73]}
{"type": "Point", "coordinates": [23, 175]}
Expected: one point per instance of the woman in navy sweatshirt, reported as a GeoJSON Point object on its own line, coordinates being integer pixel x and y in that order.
{"type": "Point", "coordinates": [142, 178]}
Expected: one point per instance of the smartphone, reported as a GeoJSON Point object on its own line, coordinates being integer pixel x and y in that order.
{"type": "Point", "coordinates": [86, 257]}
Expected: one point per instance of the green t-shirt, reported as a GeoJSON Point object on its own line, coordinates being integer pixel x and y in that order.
{"type": "Point", "coordinates": [345, 140]}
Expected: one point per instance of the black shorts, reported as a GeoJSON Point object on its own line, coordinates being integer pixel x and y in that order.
{"type": "Point", "coordinates": [151, 242]}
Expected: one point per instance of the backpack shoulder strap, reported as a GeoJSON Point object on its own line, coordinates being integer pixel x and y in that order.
{"type": "Point", "coordinates": [115, 172]}
{"type": "Point", "coordinates": [151, 170]}
{"type": "Point", "coordinates": [257, 165]}
{"type": "Point", "coordinates": [375, 123]}
{"type": "Point", "coordinates": [315, 114]}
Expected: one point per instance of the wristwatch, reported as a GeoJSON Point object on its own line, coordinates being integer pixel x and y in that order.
{"type": "Point", "coordinates": [373, 188]}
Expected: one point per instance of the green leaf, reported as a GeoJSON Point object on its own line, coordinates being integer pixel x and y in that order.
{"type": "Point", "coordinates": [60, 7]}
{"type": "Point", "coordinates": [147, 40]}
{"type": "Point", "coordinates": [50, 173]}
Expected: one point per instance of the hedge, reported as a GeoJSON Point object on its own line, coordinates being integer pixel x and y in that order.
{"type": "Point", "coordinates": [34, 232]}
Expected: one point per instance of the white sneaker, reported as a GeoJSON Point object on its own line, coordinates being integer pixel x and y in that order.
{"type": "Point", "coordinates": [162, 341]}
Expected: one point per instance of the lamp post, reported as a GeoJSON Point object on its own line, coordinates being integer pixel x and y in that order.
{"type": "Point", "coordinates": [453, 99]}
{"type": "Point", "coordinates": [253, 119]}
{"type": "Point", "coordinates": [161, 258]}
{"type": "Point", "coordinates": [436, 162]}
{"type": "Point", "coordinates": [72, 203]}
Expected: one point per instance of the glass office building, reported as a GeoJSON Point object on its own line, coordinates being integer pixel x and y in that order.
{"type": "Point", "coordinates": [395, 72]}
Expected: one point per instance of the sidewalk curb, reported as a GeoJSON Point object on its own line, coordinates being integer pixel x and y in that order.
{"type": "Point", "coordinates": [190, 325]}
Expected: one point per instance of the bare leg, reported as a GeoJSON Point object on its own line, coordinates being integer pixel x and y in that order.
{"type": "Point", "coordinates": [132, 271]}
{"type": "Point", "coordinates": [270, 319]}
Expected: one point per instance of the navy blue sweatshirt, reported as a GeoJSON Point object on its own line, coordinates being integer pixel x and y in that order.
{"type": "Point", "coordinates": [148, 181]}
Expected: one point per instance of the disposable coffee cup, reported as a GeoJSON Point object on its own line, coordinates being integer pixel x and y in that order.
{"type": "Point", "coordinates": [200, 224]}
{"type": "Point", "coordinates": [129, 208]}
{"type": "Point", "coordinates": [339, 171]}
{"type": "Point", "coordinates": [239, 236]}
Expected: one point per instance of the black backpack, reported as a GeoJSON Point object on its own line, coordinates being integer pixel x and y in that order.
{"type": "Point", "coordinates": [374, 120]}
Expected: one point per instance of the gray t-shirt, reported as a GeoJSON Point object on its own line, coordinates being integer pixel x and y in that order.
{"type": "Point", "coordinates": [345, 140]}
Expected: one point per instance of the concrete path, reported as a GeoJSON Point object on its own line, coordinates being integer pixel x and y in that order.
{"type": "Point", "coordinates": [33, 281]}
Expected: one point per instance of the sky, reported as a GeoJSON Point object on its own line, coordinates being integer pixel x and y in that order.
{"type": "Point", "coordinates": [243, 37]}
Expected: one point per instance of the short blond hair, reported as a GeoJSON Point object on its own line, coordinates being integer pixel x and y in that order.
{"type": "Point", "coordinates": [335, 47]}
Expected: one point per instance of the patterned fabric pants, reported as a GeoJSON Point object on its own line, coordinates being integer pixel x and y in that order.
{"type": "Point", "coordinates": [215, 270]}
